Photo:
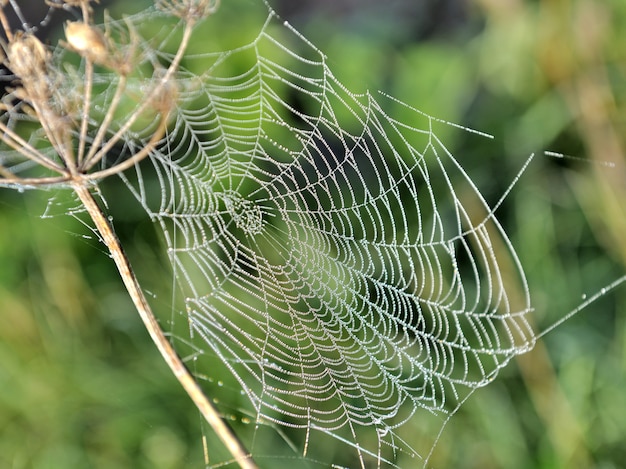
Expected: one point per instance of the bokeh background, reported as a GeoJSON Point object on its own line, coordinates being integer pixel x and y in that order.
{"type": "Point", "coordinates": [82, 386]}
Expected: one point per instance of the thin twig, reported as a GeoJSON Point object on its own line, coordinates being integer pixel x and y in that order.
{"type": "Point", "coordinates": [49, 120]}
{"type": "Point", "coordinates": [22, 146]}
{"type": "Point", "coordinates": [6, 26]}
{"type": "Point", "coordinates": [208, 410]}
{"type": "Point", "coordinates": [86, 110]}
{"type": "Point", "coordinates": [10, 180]}
{"type": "Point", "coordinates": [106, 123]}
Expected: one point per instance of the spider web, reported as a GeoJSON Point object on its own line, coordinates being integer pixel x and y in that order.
{"type": "Point", "coordinates": [324, 252]}
{"type": "Point", "coordinates": [337, 267]}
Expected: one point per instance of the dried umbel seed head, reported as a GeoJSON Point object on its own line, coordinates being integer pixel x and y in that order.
{"type": "Point", "coordinates": [30, 61]}
{"type": "Point", "coordinates": [27, 57]}
{"type": "Point", "coordinates": [189, 10]}
{"type": "Point", "coordinates": [87, 40]}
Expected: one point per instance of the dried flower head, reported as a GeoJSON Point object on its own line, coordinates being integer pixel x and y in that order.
{"type": "Point", "coordinates": [29, 60]}
{"type": "Point", "coordinates": [189, 10]}
{"type": "Point", "coordinates": [87, 40]}
{"type": "Point", "coordinates": [27, 57]}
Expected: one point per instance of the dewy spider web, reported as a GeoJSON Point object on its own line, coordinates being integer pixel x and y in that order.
{"type": "Point", "coordinates": [323, 250]}
{"type": "Point", "coordinates": [326, 252]}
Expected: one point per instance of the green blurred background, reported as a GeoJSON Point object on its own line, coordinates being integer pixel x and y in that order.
{"type": "Point", "coordinates": [82, 386]}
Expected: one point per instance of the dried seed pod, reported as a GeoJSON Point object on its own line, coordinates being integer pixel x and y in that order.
{"type": "Point", "coordinates": [27, 57]}
{"type": "Point", "coordinates": [87, 40]}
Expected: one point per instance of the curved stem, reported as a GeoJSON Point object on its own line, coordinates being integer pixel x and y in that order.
{"type": "Point", "coordinates": [208, 410]}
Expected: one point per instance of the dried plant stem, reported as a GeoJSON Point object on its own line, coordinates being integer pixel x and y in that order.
{"type": "Point", "coordinates": [19, 144]}
{"type": "Point", "coordinates": [208, 410]}
{"type": "Point", "coordinates": [106, 123]}
{"type": "Point", "coordinates": [82, 141]}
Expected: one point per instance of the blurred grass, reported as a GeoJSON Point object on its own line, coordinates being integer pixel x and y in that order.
{"type": "Point", "coordinates": [82, 386]}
